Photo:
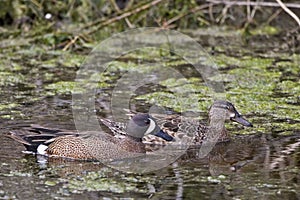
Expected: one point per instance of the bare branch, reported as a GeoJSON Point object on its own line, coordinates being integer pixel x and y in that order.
{"type": "Point", "coordinates": [258, 3]}
{"type": "Point", "coordinates": [288, 11]}
{"type": "Point", "coordinates": [96, 25]}
{"type": "Point", "coordinates": [194, 10]}
{"type": "Point", "coordinates": [251, 3]}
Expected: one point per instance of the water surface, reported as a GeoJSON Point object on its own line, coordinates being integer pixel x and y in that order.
{"type": "Point", "coordinates": [259, 163]}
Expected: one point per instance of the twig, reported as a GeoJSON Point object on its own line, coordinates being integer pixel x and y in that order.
{"type": "Point", "coordinates": [103, 23]}
{"type": "Point", "coordinates": [248, 8]}
{"type": "Point", "coordinates": [250, 14]}
{"type": "Point", "coordinates": [266, 4]}
{"type": "Point", "coordinates": [113, 2]}
{"type": "Point", "coordinates": [221, 18]}
{"type": "Point", "coordinates": [288, 11]}
{"type": "Point", "coordinates": [274, 15]}
{"type": "Point", "coordinates": [72, 41]}
{"type": "Point", "coordinates": [211, 15]}
{"type": "Point", "coordinates": [194, 10]}
{"type": "Point", "coordinates": [122, 16]}
{"type": "Point", "coordinates": [251, 3]}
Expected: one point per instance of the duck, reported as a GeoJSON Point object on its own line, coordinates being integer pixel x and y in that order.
{"type": "Point", "coordinates": [178, 127]}
{"type": "Point", "coordinates": [90, 145]}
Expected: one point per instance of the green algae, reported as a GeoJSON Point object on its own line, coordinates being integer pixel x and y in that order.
{"type": "Point", "coordinates": [8, 106]}
{"type": "Point", "coordinates": [224, 61]}
{"type": "Point", "coordinates": [181, 95]}
{"type": "Point", "coordinates": [80, 86]}
{"type": "Point", "coordinates": [50, 183]}
{"type": "Point", "coordinates": [64, 87]}
{"type": "Point", "coordinates": [290, 87]}
{"type": "Point", "coordinates": [103, 181]}
{"type": "Point", "coordinates": [116, 66]}
{"type": "Point", "coordinates": [11, 79]}
{"type": "Point", "coordinates": [265, 30]}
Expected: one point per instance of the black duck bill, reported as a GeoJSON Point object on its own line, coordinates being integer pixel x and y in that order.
{"type": "Point", "coordinates": [163, 135]}
{"type": "Point", "coordinates": [239, 119]}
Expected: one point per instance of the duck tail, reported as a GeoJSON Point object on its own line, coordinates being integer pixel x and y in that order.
{"type": "Point", "coordinates": [31, 141]}
{"type": "Point", "coordinates": [32, 137]}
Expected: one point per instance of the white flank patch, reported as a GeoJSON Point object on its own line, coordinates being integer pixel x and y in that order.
{"type": "Point", "coordinates": [42, 149]}
{"type": "Point", "coordinates": [151, 127]}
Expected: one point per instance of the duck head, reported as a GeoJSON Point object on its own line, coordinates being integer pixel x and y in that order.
{"type": "Point", "coordinates": [143, 124]}
{"type": "Point", "coordinates": [224, 109]}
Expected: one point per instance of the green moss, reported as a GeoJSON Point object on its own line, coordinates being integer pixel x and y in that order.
{"type": "Point", "coordinates": [180, 94]}
{"type": "Point", "coordinates": [122, 66]}
{"type": "Point", "coordinates": [69, 87]}
{"type": "Point", "coordinates": [11, 79]}
{"type": "Point", "coordinates": [50, 183]}
{"type": "Point", "coordinates": [8, 106]}
{"type": "Point", "coordinates": [223, 61]}
{"type": "Point", "coordinates": [63, 87]}
{"type": "Point", "coordinates": [290, 87]}
{"type": "Point", "coordinates": [101, 181]}
{"type": "Point", "coordinates": [265, 30]}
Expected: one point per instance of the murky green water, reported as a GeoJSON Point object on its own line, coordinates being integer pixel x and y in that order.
{"type": "Point", "coordinates": [260, 77]}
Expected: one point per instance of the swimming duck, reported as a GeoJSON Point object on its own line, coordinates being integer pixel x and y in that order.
{"type": "Point", "coordinates": [178, 126]}
{"type": "Point", "coordinates": [90, 145]}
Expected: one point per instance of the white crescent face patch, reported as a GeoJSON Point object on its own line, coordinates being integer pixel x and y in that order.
{"type": "Point", "coordinates": [232, 114]}
{"type": "Point", "coordinates": [151, 127]}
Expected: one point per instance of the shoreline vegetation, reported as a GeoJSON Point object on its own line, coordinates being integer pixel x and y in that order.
{"type": "Point", "coordinates": [76, 23]}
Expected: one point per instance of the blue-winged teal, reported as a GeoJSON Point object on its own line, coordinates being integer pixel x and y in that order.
{"type": "Point", "coordinates": [178, 126]}
{"type": "Point", "coordinates": [90, 145]}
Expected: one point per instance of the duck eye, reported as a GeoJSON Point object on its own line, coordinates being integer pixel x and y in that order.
{"type": "Point", "coordinates": [147, 121]}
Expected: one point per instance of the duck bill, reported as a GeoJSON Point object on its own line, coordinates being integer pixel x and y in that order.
{"type": "Point", "coordinates": [241, 120]}
{"type": "Point", "coordinates": [164, 135]}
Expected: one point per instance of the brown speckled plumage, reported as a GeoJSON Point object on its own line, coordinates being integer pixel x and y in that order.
{"type": "Point", "coordinates": [178, 126]}
{"type": "Point", "coordinates": [90, 147]}
{"type": "Point", "coordinates": [87, 145]}
{"type": "Point", "coordinates": [70, 147]}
